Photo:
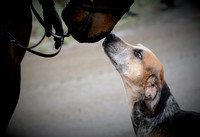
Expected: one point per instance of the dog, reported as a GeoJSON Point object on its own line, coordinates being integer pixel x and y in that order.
{"type": "Point", "coordinates": [154, 110]}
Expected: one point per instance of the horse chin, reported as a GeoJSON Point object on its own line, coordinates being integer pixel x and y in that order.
{"type": "Point", "coordinates": [84, 38]}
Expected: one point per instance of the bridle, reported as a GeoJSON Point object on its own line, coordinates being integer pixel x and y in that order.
{"type": "Point", "coordinates": [92, 8]}
{"type": "Point", "coordinates": [100, 9]}
{"type": "Point", "coordinates": [15, 42]}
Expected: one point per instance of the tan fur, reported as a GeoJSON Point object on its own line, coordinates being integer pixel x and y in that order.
{"type": "Point", "coordinates": [136, 73]}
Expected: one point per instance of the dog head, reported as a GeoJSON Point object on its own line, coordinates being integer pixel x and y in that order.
{"type": "Point", "coordinates": [141, 71]}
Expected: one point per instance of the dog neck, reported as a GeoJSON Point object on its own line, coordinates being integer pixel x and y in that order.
{"type": "Point", "coordinates": [144, 122]}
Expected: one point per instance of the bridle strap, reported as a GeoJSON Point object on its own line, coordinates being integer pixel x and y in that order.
{"type": "Point", "coordinates": [43, 23]}
{"type": "Point", "coordinates": [99, 9]}
{"type": "Point", "coordinates": [15, 42]}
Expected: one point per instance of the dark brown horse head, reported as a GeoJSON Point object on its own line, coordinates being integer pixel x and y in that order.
{"type": "Point", "coordinates": [92, 20]}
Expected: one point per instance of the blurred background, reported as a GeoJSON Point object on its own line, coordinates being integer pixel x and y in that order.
{"type": "Point", "coordinates": [79, 93]}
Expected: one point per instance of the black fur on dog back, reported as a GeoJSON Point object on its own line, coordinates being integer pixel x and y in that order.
{"type": "Point", "coordinates": [168, 119]}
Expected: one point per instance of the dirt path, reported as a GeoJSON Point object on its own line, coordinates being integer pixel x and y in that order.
{"type": "Point", "coordinates": [79, 93]}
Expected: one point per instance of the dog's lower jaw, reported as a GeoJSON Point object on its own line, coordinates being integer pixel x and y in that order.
{"type": "Point", "coordinates": [133, 94]}
{"type": "Point", "coordinates": [132, 91]}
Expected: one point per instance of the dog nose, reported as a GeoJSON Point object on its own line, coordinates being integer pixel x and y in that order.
{"type": "Point", "coordinates": [110, 38]}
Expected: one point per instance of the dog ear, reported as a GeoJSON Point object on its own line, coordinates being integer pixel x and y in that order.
{"type": "Point", "coordinates": [152, 94]}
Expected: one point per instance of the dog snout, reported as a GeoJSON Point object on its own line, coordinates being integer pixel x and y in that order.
{"type": "Point", "coordinates": [110, 39]}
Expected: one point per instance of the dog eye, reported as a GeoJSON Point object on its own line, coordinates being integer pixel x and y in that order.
{"type": "Point", "coordinates": [138, 53]}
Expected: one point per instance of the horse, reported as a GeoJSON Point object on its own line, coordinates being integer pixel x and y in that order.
{"type": "Point", "coordinates": [92, 20]}
{"type": "Point", "coordinates": [87, 21]}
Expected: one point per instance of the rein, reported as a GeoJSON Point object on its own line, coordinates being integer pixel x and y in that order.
{"type": "Point", "coordinates": [14, 41]}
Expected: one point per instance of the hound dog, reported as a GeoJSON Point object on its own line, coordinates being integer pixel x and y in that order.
{"type": "Point", "coordinates": [155, 113]}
